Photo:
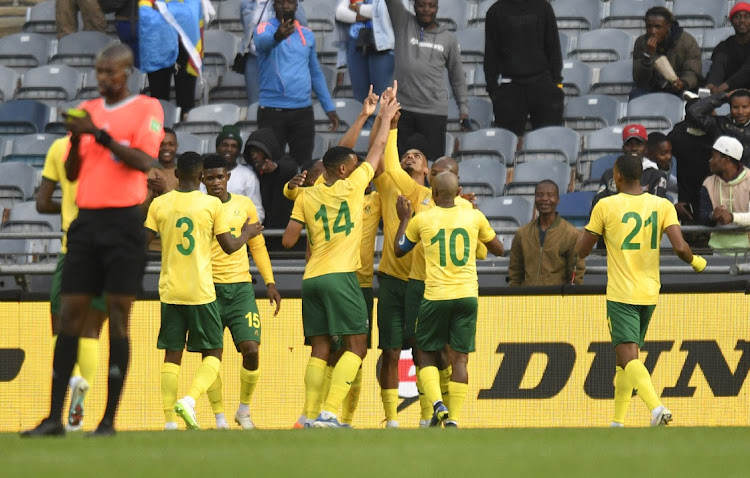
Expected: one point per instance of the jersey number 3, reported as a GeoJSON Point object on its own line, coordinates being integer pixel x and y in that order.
{"type": "Point", "coordinates": [187, 234]}
{"type": "Point", "coordinates": [651, 221]}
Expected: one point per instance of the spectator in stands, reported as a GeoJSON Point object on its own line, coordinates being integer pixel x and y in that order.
{"type": "Point", "coordinates": [289, 69]}
{"type": "Point", "coordinates": [691, 146]}
{"type": "Point", "coordinates": [126, 23]}
{"type": "Point", "coordinates": [735, 124]}
{"type": "Point", "coordinates": [523, 64]}
{"type": "Point", "coordinates": [263, 154]}
{"type": "Point", "coordinates": [255, 12]}
{"type": "Point", "coordinates": [543, 251]}
{"type": "Point", "coordinates": [659, 150]}
{"type": "Point", "coordinates": [653, 180]}
{"type": "Point", "coordinates": [366, 44]}
{"type": "Point", "coordinates": [726, 192]}
{"type": "Point", "coordinates": [242, 179]}
{"type": "Point", "coordinates": [162, 177]}
{"type": "Point", "coordinates": [665, 37]}
{"type": "Point", "coordinates": [730, 61]}
{"type": "Point", "coordinates": [165, 53]}
{"type": "Point", "coordinates": [423, 51]}
{"type": "Point", "coordinates": [66, 16]}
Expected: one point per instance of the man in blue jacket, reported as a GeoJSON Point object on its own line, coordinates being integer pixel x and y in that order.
{"type": "Point", "coordinates": [289, 70]}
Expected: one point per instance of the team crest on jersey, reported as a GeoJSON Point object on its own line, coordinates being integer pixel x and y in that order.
{"type": "Point", "coordinates": [426, 201]}
{"type": "Point", "coordinates": [236, 212]}
{"type": "Point", "coordinates": [367, 209]}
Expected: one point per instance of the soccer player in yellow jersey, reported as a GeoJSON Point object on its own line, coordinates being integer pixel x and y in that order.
{"type": "Point", "coordinates": [88, 344]}
{"type": "Point", "coordinates": [632, 224]}
{"type": "Point", "coordinates": [331, 301]}
{"type": "Point", "coordinates": [187, 221]}
{"type": "Point", "coordinates": [448, 313]}
{"type": "Point", "coordinates": [234, 290]}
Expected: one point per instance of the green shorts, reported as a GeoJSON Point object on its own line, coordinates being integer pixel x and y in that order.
{"type": "Point", "coordinates": [200, 323]}
{"type": "Point", "coordinates": [332, 304]}
{"type": "Point", "coordinates": [452, 321]}
{"type": "Point", "coordinates": [391, 312]}
{"type": "Point", "coordinates": [628, 323]}
{"type": "Point", "coordinates": [413, 300]}
{"type": "Point", "coordinates": [97, 303]}
{"type": "Point", "coordinates": [238, 311]}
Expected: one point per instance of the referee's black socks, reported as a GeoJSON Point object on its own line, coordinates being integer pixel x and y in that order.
{"type": "Point", "coordinates": [119, 356]}
{"type": "Point", "coordinates": [66, 353]}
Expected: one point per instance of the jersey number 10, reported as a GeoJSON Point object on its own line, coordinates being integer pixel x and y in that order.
{"type": "Point", "coordinates": [439, 238]}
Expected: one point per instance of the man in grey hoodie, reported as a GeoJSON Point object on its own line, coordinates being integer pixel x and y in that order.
{"type": "Point", "coordinates": [423, 50]}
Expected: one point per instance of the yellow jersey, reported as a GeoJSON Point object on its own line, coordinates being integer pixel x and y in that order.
{"type": "Point", "coordinates": [54, 170]}
{"type": "Point", "coordinates": [391, 184]}
{"type": "Point", "coordinates": [632, 227]}
{"type": "Point", "coordinates": [449, 237]}
{"type": "Point", "coordinates": [234, 268]}
{"type": "Point", "coordinates": [333, 218]}
{"type": "Point", "coordinates": [370, 222]}
{"type": "Point", "coordinates": [187, 223]}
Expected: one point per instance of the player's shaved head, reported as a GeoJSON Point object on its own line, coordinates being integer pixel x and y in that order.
{"type": "Point", "coordinates": [190, 164]}
{"type": "Point", "coordinates": [445, 185]}
{"type": "Point", "coordinates": [118, 52]}
{"type": "Point", "coordinates": [445, 163]}
{"type": "Point", "coordinates": [630, 167]}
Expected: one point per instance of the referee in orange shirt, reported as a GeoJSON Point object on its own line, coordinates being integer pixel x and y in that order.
{"type": "Point", "coordinates": [114, 140]}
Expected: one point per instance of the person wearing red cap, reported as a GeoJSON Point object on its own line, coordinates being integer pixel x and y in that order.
{"type": "Point", "coordinates": [730, 61]}
{"type": "Point", "coordinates": [634, 143]}
{"type": "Point", "coordinates": [665, 37]}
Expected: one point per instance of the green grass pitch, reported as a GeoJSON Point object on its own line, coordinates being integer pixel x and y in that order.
{"type": "Point", "coordinates": [683, 452]}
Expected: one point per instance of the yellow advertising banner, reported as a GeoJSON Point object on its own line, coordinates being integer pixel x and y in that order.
{"type": "Point", "coordinates": [541, 361]}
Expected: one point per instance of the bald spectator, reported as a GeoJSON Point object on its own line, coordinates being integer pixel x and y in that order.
{"type": "Point", "coordinates": [543, 250]}
{"type": "Point", "coordinates": [730, 61]}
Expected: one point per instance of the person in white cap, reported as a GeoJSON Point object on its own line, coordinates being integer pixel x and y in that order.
{"type": "Point", "coordinates": [725, 193]}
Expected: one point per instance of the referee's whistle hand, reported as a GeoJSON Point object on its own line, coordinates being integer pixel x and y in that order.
{"type": "Point", "coordinates": [79, 125]}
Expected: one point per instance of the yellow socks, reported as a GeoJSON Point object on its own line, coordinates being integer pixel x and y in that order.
{"type": "Point", "coordinates": [457, 392]}
{"type": "Point", "coordinates": [623, 394]}
{"type": "Point", "coordinates": [431, 383]}
{"type": "Point", "coordinates": [445, 378]}
{"type": "Point", "coordinates": [326, 382]}
{"type": "Point", "coordinates": [169, 379]}
{"type": "Point", "coordinates": [425, 407]}
{"type": "Point", "coordinates": [248, 381]}
{"type": "Point", "coordinates": [215, 396]}
{"type": "Point", "coordinates": [314, 377]}
{"type": "Point", "coordinates": [343, 376]}
{"type": "Point", "coordinates": [390, 403]}
{"type": "Point", "coordinates": [88, 358]}
{"type": "Point", "coordinates": [204, 377]}
{"type": "Point", "coordinates": [641, 381]}
{"type": "Point", "coordinates": [352, 399]}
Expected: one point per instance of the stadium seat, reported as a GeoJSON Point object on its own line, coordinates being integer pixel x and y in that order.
{"type": "Point", "coordinates": [700, 16]}
{"type": "Point", "coordinates": [90, 88]}
{"type": "Point", "coordinates": [206, 121]}
{"type": "Point", "coordinates": [348, 110]}
{"type": "Point", "coordinates": [171, 113]}
{"type": "Point", "coordinates": [322, 122]}
{"type": "Point", "coordinates": [628, 15]}
{"type": "Point", "coordinates": [565, 44]}
{"type": "Point", "coordinates": [230, 89]}
{"type": "Point", "coordinates": [600, 165]}
{"type": "Point", "coordinates": [190, 142]}
{"type": "Point", "coordinates": [228, 18]}
{"type": "Point", "coordinates": [327, 50]}
{"type": "Point", "coordinates": [575, 207]}
{"type": "Point", "coordinates": [598, 144]}
{"type": "Point", "coordinates": [320, 17]}
{"type": "Point", "coordinates": [41, 19]}
{"type": "Point", "coordinates": [527, 175]}
{"type": "Point", "coordinates": [18, 183]}
{"type": "Point", "coordinates": [471, 42]}
{"type": "Point", "coordinates": [482, 175]}
{"type": "Point", "coordinates": [480, 113]}
{"type": "Point", "coordinates": [552, 142]}
{"type": "Point", "coordinates": [591, 112]}
{"type": "Point", "coordinates": [497, 142]}
{"type": "Point", "coordinates": [30, 149]}
{"type": "Point", "coordinates": [320, 146]}
{"type": "Point", "coordinates": [78, 50]}
{"type": "Point", "coordinates": [477, 20]}
{"type": "Point", "coordinates": [19, 117]}
{"type": "Point", "coordinates": [8, 83]}
{"type": "Point", "coordinates": [22, 51]}
{"type": "Point", "coordinates": [576, 16]}
{"type": "Point", "coordinates": [476, 82]}
{"type": "Point", "coordinates": [712, 38]}
{"type": "Point", "coordinates": [49, 84]}
{"type": "Point", "coordinates": [343, 88]}
{"type": "Point", "coordinates": [25, 218]}
{"type": "Point", "coordinates": [363, 143]}
{"type": "Point", "coordinates": [655, 111]}
{"type": "Point", "coordinates": [615, 80]}
{"type": "Point", "coordinates": [220, 48]}
{"type": "Point", "coordinates": [450, 144]}
{"type": "Point", "coordinates": [576, 78]}
{"type": "Point", "coordinates": [251, 118]}
{"type": "Point", "coordinates": [599, 47]}
{"type": "Point", "coordinates": [506, 212]}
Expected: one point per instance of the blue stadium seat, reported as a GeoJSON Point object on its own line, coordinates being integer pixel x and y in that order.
{"type": "Point", "coordinates": [575, 207]}
{"type": "Point", "coordinates": [18, 117]}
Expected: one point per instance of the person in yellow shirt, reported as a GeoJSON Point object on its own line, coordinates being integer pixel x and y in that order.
{"type": "Point", "coordinates": [88, 344]}
{"type": "Point", "coordinates": [448, 313]}
{"type": "Point", "coordinates": [331, 301]}
{"type": "Point", "coordinates": [234, 290]}
{"type": "Point", "coordinates": [632, 223]}
{"type": "Point", "coordinates": [187, 221]}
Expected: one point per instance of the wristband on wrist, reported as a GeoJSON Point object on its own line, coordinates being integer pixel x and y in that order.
{"type": "Point", "coordinates": [698, 263]}
{"type": "Point", "coordinates": [103, 138]}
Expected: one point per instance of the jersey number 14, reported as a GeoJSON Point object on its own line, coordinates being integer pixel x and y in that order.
{"type": "Point", "coordinates": [342, 223]}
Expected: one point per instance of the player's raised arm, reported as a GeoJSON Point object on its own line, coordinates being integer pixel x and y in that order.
{"type": "Point", "coordinates": [387, 111]}
{"type": "Point", "coordinates": [402, 245]}
{"type": "Point", "coordinates": [368, 108]}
